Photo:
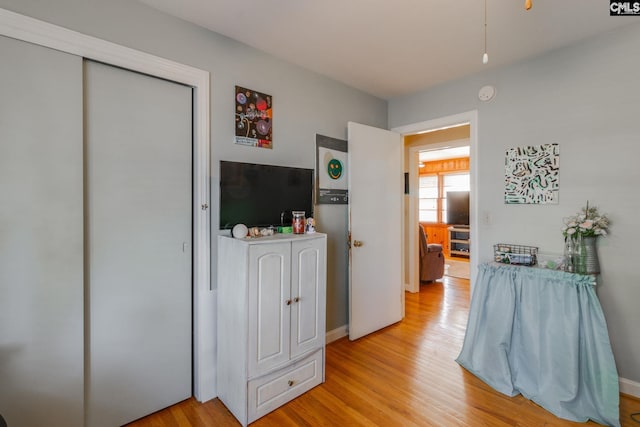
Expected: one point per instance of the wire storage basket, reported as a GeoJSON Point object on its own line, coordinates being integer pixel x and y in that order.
{"type": "Point", "coordinates": [508, 253]}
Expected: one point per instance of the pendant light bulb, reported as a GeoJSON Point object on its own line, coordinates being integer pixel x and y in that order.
{"type": "Point", "coordinates": [485, 57]}
{"type": "Point", "coordinates": [527, 4]}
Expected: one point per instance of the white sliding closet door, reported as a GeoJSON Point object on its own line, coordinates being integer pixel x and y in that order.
{"type": "Point", "coordinates": [138, 145]}
{"type": "Point", "coordinates": [41, 306]}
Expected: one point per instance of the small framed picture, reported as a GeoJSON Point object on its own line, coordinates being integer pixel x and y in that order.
{"type": "Point", "coordinates": [254, 118]}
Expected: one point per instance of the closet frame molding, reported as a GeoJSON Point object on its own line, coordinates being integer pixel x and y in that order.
{"type": "Point", "coordinates": [21, 27]}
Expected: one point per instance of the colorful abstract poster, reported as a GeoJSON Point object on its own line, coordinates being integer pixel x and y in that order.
{"type": "Point", "coordinates": [532, 174]}
{"type": "Point", "coordinates": [331, 171]}
{"type": "Point", "coordinates": [254, 118]}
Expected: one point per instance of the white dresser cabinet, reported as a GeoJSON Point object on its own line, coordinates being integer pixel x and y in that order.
{"type": "Point", "coordinates": [271, 321]}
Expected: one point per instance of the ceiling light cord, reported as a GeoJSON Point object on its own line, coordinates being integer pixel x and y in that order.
{"type": "Point", "coordinates": [485, 57]}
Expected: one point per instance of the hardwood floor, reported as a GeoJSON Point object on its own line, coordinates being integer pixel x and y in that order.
{"type": "Point", "coordinates": [403, 375]}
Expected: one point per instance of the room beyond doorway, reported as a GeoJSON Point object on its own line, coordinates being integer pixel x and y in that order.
{"type": "Point", "coordinates": [410, 247]}
{"type": "Point", "coordinates": [443, 199]}
{"type": "Point", "coordinates": [456, 267]}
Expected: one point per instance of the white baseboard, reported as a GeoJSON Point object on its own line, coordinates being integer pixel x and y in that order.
{"type": "Point", "coordinates": [337, 333]}
{"type": "Point", "coordinates": [629, 387]}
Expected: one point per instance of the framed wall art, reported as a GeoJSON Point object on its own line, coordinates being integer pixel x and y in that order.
{"type": "Point", "coordinates": [331, 171]}
{"type": "Point", "coordinates": [532, 174]}
{"type": "Point", "coordinates": [254, 118]}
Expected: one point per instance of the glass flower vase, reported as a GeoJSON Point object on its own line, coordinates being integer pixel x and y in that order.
{"type": "Point", "coordinates": [569, 254]}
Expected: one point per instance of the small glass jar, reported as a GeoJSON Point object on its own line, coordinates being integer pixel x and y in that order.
{"type": "Point", "coordinates": [298, 222]}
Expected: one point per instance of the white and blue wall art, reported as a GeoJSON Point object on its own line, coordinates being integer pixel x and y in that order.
{"type": "Point", "coordinates": [531, 174]}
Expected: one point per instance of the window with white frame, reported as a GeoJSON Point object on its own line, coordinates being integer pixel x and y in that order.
{"type": "Point", "coordinates": [433, 194]}
{"type": "Point", "coordinates": [428, 194]}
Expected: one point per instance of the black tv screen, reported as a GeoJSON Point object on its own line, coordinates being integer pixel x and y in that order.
{"type": "Point", "coordinates": [263, 195]}
{"type": "Point", "coordinates": [458, 207]}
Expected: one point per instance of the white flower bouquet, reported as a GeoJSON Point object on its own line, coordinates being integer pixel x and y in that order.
{"type": "Point", "coordinates": [588, 222]}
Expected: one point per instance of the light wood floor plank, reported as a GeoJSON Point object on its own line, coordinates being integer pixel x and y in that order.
{"type": "Point", "coordinates": [404, 375]}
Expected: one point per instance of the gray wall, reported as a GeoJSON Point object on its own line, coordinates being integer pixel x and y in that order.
{"type": "Point", "coordinates": [586, 98]}
{"type": "Point", "coordinates": [583, 97]}
{"type": "Point", "coordinates": [305, 103]}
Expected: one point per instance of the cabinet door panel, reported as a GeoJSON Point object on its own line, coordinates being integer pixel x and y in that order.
{"type": "Point", "coordinates": [269, 291]}
{"type": "Point", "coordinates": [308, 293]}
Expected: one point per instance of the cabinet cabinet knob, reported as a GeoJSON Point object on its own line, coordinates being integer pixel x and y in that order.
{"type": "Point", "coordinates": [290, 382]}
{"type": "Point", "coordinates": [296, 299]}
{"type": "Point", "coordinates": [288, 302]}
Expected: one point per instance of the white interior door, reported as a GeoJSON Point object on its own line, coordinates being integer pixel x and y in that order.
{"type": "Point", "coordinates": [41, 243]}
{"type": "Point", "coordinates": [375, 227]}
{"type": "Point", "coordinates": [138, 145]}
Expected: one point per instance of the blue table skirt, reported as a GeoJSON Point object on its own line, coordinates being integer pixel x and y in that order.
{"type": "Point", "coordinates": [542, 333]}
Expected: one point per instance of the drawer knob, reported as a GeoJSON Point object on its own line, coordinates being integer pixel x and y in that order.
{"type": "Point", "coordinates": [290, 382]}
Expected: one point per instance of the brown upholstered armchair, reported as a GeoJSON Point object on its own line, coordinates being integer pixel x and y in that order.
{"type": "Point", "coordinates": [431, 259]}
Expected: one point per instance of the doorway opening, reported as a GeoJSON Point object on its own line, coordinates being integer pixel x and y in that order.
{"type": "Point", "coordinates": [444, 186]}
{"type": "Point", "coordinates": [453, 131]}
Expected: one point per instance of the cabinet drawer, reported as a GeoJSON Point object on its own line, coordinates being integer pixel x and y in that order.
{"type": "Point", "coordinates": [273, 390]}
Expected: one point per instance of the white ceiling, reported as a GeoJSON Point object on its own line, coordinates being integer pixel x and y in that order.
{"type": "Point", "coordinates": [390, 48]}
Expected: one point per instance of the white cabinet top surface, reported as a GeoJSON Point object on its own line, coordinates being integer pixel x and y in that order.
{"type": "Point", "coordinates": [278, 237]}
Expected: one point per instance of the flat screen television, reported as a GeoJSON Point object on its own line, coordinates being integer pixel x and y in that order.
{"type": "Point", "coordinates": [263, 195]}
{"type": "Point", "coordinates": [458, 208]}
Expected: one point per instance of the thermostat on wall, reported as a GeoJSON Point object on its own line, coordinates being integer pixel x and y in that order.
{"type": "Point", "coordinates": [486, 93]}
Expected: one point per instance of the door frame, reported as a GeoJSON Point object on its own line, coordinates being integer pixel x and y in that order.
{"type": "Point", "coordinates": [38, 32]}
{"type": "Point", "coordinates": [470, 117]}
